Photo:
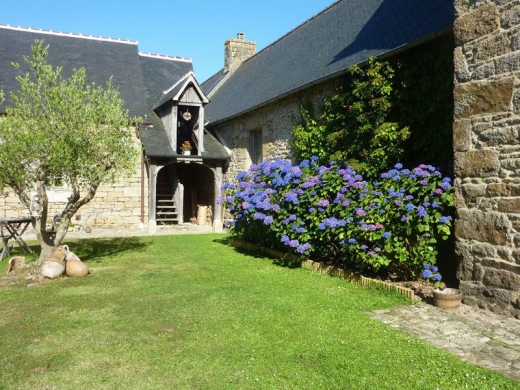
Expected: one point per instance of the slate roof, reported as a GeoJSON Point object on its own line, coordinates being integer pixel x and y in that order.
{"type": "Point", "coordinates": [157, 144]}
{"type": "Point", "coordinates": [342, 35]}
{"type": "Point", "coordinates": [210, 84]}
{"type": "Point", "coordinates": [154, 138]}
{"type": "Point", "coordinates": [213, 149]}
{"type": "Point", "coordinates": [140, 77]}
{"type": "Point", "coordinates": [101, 59]}
{"type": "Point", "coordinates": [168, 96]}
{"type": "Point", "coordinates": [160, 72]}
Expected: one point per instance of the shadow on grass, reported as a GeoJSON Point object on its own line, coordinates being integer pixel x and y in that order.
{"type": "Point", "coordinates": [93, 249]}
{"type": "Point", "coordinates": [223, 241]}
{"type": "Point", "coordinates": [260, 254]}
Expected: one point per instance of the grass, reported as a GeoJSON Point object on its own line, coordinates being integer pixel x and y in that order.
{"type": "Point", "coordinates": [190, 312]}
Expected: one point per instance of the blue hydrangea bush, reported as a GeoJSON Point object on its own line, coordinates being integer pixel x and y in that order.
{"type": "Point", "coordinates": [331, 214]}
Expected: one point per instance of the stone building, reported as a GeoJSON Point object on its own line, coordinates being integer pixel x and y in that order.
{"type": "Point", "coordinates": [250, 107]}
{"type": "Point", "coordinates": [487, 153]}
{"type": "Point", "coordinates": [254, 107]}
{"type": "Point", "coordinates": [167, 187]}
{"type": "Point", "coordinates": [305, 65]}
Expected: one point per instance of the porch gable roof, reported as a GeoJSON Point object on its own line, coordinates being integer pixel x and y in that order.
{"type": "Point", "coordinates": [156, 142]}
{"type": "Point", "coordinates": [175, 91]}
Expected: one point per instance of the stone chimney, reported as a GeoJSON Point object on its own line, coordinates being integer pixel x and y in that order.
{"type": "Point", "coordinates": [237, 51]}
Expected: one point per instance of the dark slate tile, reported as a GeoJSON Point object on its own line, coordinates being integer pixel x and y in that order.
{"type": "Point", "coordinates": [345, 34]}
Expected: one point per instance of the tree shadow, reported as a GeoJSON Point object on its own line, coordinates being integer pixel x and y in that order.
{"type": "Point", "coordinates": [223, 241]}
{"type": "Point", "coordinates": [93, 249]}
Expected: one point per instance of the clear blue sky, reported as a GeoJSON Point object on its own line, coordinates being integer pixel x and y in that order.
{"type": "Point", "coordinates": [195, 29]}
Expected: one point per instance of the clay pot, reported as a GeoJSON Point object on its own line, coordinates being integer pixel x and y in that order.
{"type": "Point", "coordinates": [447, 299]}
{"type": "Point", "coordinates": [76, 268]}
{"type": "Point", "coordinates": [59, 255]}
{"type": "Point", "coordinates": [53, 268]}
{"type": "Point", "coordinates": [57, 260]}
{"type": "Point", "coordinates": [15, 264]}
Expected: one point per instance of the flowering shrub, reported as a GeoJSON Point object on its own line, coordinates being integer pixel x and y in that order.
{"type": "Point", "coordinates": [186, 146]}
{"type": "Point", "coordinates": [330, 213]}
{"type": "Point", "coordinates": [431, 275]}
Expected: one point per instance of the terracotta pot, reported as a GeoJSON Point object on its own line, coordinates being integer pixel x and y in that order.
{"type": "Point", "coordinates": [52, 269]}
{"type": "Point", "coordinates": [15, 264]}
{"type": "Point", "coordinates": [59, 255]}
{"type": "Point", "coordinates": [448, 299]}
{"type": "Point", "coordinates": [76, 268]}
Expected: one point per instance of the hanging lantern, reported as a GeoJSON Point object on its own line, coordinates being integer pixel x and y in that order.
{"type": "Point", "coordinates": [186, 115]}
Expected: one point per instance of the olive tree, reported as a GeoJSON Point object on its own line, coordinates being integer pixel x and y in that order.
{"type": "Point", "coordinates": [59, 131]}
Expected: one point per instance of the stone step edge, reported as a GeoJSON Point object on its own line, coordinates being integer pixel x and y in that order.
{"type": "Point", "coordinates": [321, 268]}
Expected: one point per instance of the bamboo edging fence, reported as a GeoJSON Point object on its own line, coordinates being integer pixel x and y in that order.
{"type": "Point", "coordinates": [321, 268]}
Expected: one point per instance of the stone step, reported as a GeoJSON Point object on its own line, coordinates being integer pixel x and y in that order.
{"type": "Point", "coordinates": [167, 220]}
{"type": "Point", "coordinates": [166, 214]}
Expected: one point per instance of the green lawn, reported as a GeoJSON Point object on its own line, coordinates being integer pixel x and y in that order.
{"type": "Point", "coordinates": [190, 312]}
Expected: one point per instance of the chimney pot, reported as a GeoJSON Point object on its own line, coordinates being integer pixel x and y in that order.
{"type": "Point", "coordinates": [241, 35]}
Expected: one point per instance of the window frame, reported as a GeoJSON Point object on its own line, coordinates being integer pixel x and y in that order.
{"type": "Point", "coordinates": [257, 145]}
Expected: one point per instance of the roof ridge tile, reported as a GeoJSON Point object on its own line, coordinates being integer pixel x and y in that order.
{"type": "Point", "coordinates": [67, 34]}
{"type": "Point", "coordinates": [165, 57]}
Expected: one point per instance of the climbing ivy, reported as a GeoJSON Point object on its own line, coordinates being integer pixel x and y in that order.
{"type": "Point", "coordinates": [398, 110]}
{"type": "Point", "coordinates": [353, 124]}
{"type": "Point", "coordinates": [423, 100]}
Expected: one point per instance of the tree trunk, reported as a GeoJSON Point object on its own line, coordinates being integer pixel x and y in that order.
{"type": "Point", "coordinates": [46, 251]}
{"type": "Point", "coordinates": [48, 243]}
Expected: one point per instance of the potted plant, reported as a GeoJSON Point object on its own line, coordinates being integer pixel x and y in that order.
{"type": "Point", "coordinates": [443, 297]}
{"type": "Point", "coordinates": [186, 148]}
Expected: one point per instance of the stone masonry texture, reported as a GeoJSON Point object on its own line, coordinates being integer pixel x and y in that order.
{"type": "Point", "coordinates": [115, 206]}
{"type": "Point", "coordinates": [276, 122]}
{"type": "Point", "coordinates": [487, 153]}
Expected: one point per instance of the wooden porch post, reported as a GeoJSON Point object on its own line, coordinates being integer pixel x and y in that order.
{"type": "Point", "coordinates": [217, 215]}
{"type": "Point", "coordinates": [152, 196]}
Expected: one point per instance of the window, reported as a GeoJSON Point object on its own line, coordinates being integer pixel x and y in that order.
{"type": "Point", "coordinates": [256, 155]}
{"type": "Point", "coordinates": [252, 148]}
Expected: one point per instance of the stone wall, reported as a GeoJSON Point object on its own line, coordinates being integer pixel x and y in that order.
{"type": "Point", "coordinates": [276, 121]}
{"type": "Point", "coordinates": [487, 153]}
{"type": "Point", "coordinates": [115, 206]}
